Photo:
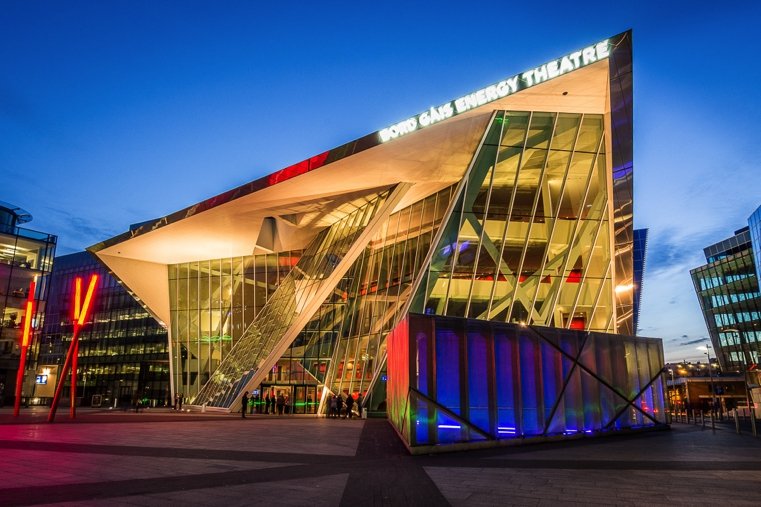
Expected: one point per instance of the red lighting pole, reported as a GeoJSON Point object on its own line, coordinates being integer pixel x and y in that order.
{"type": "Point", "coordinates": [29, 313]}
{"type": "Point", "coordinates": [80, 314]}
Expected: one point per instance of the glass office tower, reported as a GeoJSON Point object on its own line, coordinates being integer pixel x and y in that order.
{"type": "Point", "coordinates": [728, 291]}
{"type": "Point", "coordinates": [510, 204]}
{"type": "Point", "coordinates": [122, 349]}
{"type": "Point", "coordinates": [26, 257]}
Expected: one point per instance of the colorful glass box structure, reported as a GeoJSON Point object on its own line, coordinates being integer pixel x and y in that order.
{"type": "Point", "coordinates": [510, 204]}
{"type": "Point", "coordinates": [485, 383]}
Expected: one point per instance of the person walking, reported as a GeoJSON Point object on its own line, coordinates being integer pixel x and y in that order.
{"type": "Point", "coordinates": [332, 406]}
{"type": "Point", "coordinates": [349, 405]}
{"type": "Point", "coordinates": [243, 404]}
{"type": "Point", "coordinates": [359, 405]}
{"type": "Point", "coordinates": [339, 405]}
{"type": "Point", "coordinates": [280, 403]}
{"type": "Point", "coordinates": [267, 403]}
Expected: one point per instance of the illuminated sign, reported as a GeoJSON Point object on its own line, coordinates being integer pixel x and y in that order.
{"type": "Point", "coordinates": [518, 82]}
{"type": "Point", "coordinates": [41, 379]}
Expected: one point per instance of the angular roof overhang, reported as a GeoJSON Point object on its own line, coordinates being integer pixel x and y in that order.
{"type": "Point", "coordinates": [299, 196]}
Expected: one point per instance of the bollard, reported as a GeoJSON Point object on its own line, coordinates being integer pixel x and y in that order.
{"type": "Point", "coordinates": [703, 419]}
{"type": "Point", "coordinates": [737, 423]}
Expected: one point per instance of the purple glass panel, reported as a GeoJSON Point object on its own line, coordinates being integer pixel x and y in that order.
{"type": "Point", "coordinates": [478, 380]}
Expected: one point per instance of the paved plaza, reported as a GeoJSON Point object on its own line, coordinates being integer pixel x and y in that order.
{"type": "Point", "coordinates": [164, 458]}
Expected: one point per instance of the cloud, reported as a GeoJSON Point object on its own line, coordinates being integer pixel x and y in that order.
{"type": "Point", "coordinates": [693, 342]}
{"type": "Point", "coordinates": [75, 232]}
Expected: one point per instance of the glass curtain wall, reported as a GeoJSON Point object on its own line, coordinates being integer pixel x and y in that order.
{"type": "Point", "coordinates": [383, 284]}
{"type": "Point", "coordinates": [530, 238]}
{"type": "Point", "coordinates": [293, 295]}
{"type": "Point", "coordinates": [26, 256]}
{"type": "Point", "coordinates": [362, 309]}
{"type": "Point", "coordinates": [622, 170]}
{"type": "Point", "coordinates": [728, 292]}
{"type": "Point", "coordinates": [122, 353]}
{"type": "Point", "coordinates": [212, 303]}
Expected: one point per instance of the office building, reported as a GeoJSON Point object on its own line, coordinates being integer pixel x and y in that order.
{"type": "Point", "coordinates": [122, 349]}
{"type": "Point", "coordinates": [26, 256]}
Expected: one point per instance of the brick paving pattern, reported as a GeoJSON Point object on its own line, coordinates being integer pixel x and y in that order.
{"type": "Point", "coordinates": [166, 458]}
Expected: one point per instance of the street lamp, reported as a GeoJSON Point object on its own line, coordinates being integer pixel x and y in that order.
{"type": "Point", "coordinates": [707, 351]}
{"type": "Point", "coordinates": [671, 392]}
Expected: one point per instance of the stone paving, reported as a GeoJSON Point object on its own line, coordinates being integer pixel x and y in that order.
{"type": "Point", "coordinates": [165, 458]}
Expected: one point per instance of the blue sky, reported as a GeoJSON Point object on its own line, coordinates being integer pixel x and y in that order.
{"type": "Point", "coordinates": [115, 112]}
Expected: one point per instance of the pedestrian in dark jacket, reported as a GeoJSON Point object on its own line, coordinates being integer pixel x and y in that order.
{"type": "Point", "coordinates": [349, 405]}
{"type": "Point", "coordinates": [243, 404]}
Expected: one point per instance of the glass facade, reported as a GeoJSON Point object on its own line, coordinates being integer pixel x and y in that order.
{"type": "Point", "coordinates": [469, 381]}
{"type": "Point", "coordinates": [621, 141]}
{"type": "Point", "coordinates": [122, 351]}
{"type": "Point", "coordinates": [515, 212]}
{"type": "Point", "coordinates": [640, 252]}
{"type": "Point", "coordinates": [529, 238]}
{"type": "Point", "coordinates": [212, 303]}
{"type": "Point", "coordinates": [728, 291]}
{"type": "Point", "coordinates": [524, 238]}
{"type": "Point", "coordinates": [26, 256]}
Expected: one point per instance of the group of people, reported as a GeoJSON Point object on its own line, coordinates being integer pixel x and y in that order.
{"type": "Point", "coordinates": [337, 406]}
{"type": "Point", "coordinates": [271, 404]}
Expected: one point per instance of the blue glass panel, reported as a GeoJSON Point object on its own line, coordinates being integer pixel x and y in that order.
{"type": "Point", "coordinates": [421, 346]}
{"type": "Point", "coordinates": [529, 354]}
{"type": "Point", "coordinates": [449, 429]}
{"type": "Point", "coordinates": [448, 369]}
{"type": "Point", "coordinates": [421, 422]}
{"type": "Point", "coordinates": [552, 379]}
{"type": "Point", "coordinates": [505, 356]}
{"type": "Point", "coordinates": [478, 380]}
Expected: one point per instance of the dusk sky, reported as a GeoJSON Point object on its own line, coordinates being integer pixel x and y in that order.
{"type": "Point", "coordinates": [113, 113]}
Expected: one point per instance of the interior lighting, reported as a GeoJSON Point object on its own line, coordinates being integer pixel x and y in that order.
{"type": "Point", "coordinates": [624, 287]}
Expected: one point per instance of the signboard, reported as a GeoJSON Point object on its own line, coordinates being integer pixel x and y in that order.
{"type": "Point", "coordinates": [514, 84]}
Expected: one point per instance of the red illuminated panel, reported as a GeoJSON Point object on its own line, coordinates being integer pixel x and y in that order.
{"type": "Point", "coordinates": [82, 313]}
{"type": "Point", "coordinates": [574, 276]}
{"type": "Point", "coordinates": [578, 323]}
{"type": "Point", "coordinates": [77, 297]}
{"type": "Point", "coordinates": [297, 169]}
{"type": "Point", "coordinates": [28, 315]}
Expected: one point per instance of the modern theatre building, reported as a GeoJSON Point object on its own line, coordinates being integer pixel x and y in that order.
{"type": "Point", "coordinates": [468, 269]}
